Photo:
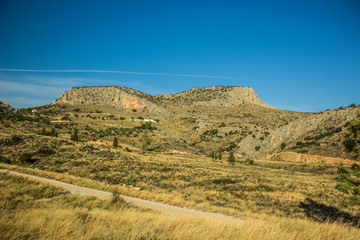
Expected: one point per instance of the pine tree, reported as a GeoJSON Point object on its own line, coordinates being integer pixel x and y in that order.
{"type": "Point", "coordinates": [231, 158]}
{"type": "Point", "coordinates": [74, 136]}
{"type": "Point", "coordinates": [115, 143]}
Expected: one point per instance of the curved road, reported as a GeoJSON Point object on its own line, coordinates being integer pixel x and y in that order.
{"type": "Point", "coordinates": [168, 209]}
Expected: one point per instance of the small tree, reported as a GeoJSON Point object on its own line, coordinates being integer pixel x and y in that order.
{"type": "Point", "coordinates": [54, 133]}
{"type": "Point", "coordinates": [231, 158]}
{"type": "Point", "coordinates": [26, 158]}
{"type": "Point", "coordinates": [220, 155]}
{"type": "Point", "coordinates": [283, 146]}
{"type": "Point", "coordinates": [145, 142]}
{"type": "Point", "coordinates": [74, 136]}
{"type": "Point", "coordinates": [115, 142]}
{"type": "Point", "coordinates": [213, 155]}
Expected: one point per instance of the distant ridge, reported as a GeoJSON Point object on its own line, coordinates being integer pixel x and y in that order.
{"type": "Point", "coordinates": [127, 98]}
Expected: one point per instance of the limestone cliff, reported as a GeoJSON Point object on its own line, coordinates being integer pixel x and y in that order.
{"type": "Point", "coordinates": [214, 96]}
{"type": "Point", "coordinates": [119, 97]}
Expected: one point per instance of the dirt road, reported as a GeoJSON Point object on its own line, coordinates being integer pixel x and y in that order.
{"type": "Point", "coordinates": [168, 209]}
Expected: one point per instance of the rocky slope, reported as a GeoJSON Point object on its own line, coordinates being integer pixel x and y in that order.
{"type": "Point", "coordinates": [297, 132]}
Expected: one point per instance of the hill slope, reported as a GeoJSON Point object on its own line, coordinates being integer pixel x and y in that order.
{"type": "Point", "coordinates": [220, 118]}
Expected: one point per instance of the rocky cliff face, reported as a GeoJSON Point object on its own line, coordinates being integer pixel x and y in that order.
{"type": "Point", "coordinates": [119, 97]}
{"type": "Point", "coordinates": [215, 96]}
{"type": "Point", "coordinates": [259, 145]}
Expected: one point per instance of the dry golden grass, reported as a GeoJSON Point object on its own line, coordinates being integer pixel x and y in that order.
{"type": "Point", "coordinates": [29, 211]}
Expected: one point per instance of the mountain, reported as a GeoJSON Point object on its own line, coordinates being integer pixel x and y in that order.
{"type": "Point", "coordinates": [213, 96]}
{"type": "Point", "coordinates": [205, 120]}
{"type": "Point", "coordinates": [117, 97]}
{"type": "Point", "coordinates": [320, 133]}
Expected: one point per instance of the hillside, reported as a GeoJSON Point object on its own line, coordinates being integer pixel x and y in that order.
{"type": "Point", "coordinates": [210, 119]}
{"type": "Point", "coordinates": [321, 133]}
{"type": "Point", "coordinates": [192, 121]}
{"type": "Point", "coordinates": [175, 149]}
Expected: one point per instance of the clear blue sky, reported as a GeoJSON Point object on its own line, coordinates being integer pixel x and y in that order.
{"type": "Point", "coordinates": [298, 55]}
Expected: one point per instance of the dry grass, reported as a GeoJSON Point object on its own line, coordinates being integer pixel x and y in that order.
{"type": "Point", "coordinates": [28, 211]}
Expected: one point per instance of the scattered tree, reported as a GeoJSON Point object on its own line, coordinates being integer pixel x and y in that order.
{"type": "Point", "coordinates": [220, 155]}
{"type": "Point", "coordinates": [145, 142]}
{"type": "Point", "coordinates": [283, 146]}
{"type": "Point", "coordinates": [231, 158]}
{"type": "Point", "coordinates": [74, 136]}
{"type": "Point", "coordinates": [115, 142]}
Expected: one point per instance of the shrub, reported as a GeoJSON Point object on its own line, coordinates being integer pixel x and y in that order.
{"type": "Point", "coordinates": [45, 152]}
{"type": "Point", "coordinates": [231, 158]}
{"type": "Point", "coordinates": [257, 148]}
{"type": "Point", "coordinates": [26, 158]}
{"type": "Point", "coordinates": [249, 161]}
{"type": "Point", "coordinates": [283, 146]}
{"type": "Point", "coordinates": [349, 184]}
{"type": "Point", "coordinates": [211, 132]}
{"type": "Point", "coordinates": [66, 118]}
{"type": "Point", "coordinates": [74, 136]}
{"type": "Point", "coordinates": [145, 142]}
{"type": "Point", "coordinates": [115, 142]}
{"type": "Point", "coordinates": [4, 160]}
{"type": "Point", "coordinates": [349, 144]}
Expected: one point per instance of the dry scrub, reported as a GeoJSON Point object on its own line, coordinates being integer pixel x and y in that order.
{"type": "Point", "coordinates": [31, 210]}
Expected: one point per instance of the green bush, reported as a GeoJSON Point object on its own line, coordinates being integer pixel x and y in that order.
{"type": "Point", "coordinates": [66, 118]}
{"type": "Point", "coordinates": [231, 158]}
{"type": "Point", "coordinates": [26, 158]}
{"type": "Point", "coordinates": [349, 184]}
{"type": "Point", "coordinates": [115, 142]}
{"type": "Point", "coordinates": [257, 148]}
{"type": "Point", "coordinates": [4, 160]}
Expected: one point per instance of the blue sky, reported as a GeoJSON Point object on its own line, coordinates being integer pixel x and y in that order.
{"type": "Point", "coordinates": [297, 55]}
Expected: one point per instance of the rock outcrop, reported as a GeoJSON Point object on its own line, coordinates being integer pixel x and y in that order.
{"type": "Point", "coordinates": [215, 96]}
{"type": "Point", "coordinates": [118, 97]}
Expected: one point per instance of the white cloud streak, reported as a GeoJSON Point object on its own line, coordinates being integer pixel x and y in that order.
{"type": "Point", "coordinates": [115, 71]}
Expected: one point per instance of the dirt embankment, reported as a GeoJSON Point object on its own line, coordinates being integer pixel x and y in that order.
{"type": "Point", "coordinates": [308, 158]}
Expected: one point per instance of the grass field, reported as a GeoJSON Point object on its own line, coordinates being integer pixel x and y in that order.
{"type": "Point", "coordinates": [31, 210]}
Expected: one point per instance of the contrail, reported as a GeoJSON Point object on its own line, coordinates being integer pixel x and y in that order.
{"type": "Point", "coordinates": [114, 71]}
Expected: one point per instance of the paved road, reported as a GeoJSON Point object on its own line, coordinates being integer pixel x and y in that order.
{"type": "Point", "coordinates": [168, 209]}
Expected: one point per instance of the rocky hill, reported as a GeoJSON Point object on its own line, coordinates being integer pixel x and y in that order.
{"type": "Point", "coordinates": [225, 96]}
{"type": "Point", "coordinates": [118, 97]}
{"type": "Point", "coordinates": [213, 119]}
{"type": "Point", "coordinates": [321, 133]}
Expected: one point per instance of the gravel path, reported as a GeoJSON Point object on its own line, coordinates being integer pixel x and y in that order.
{"type": "Point", "coordinates": [168, 209]}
